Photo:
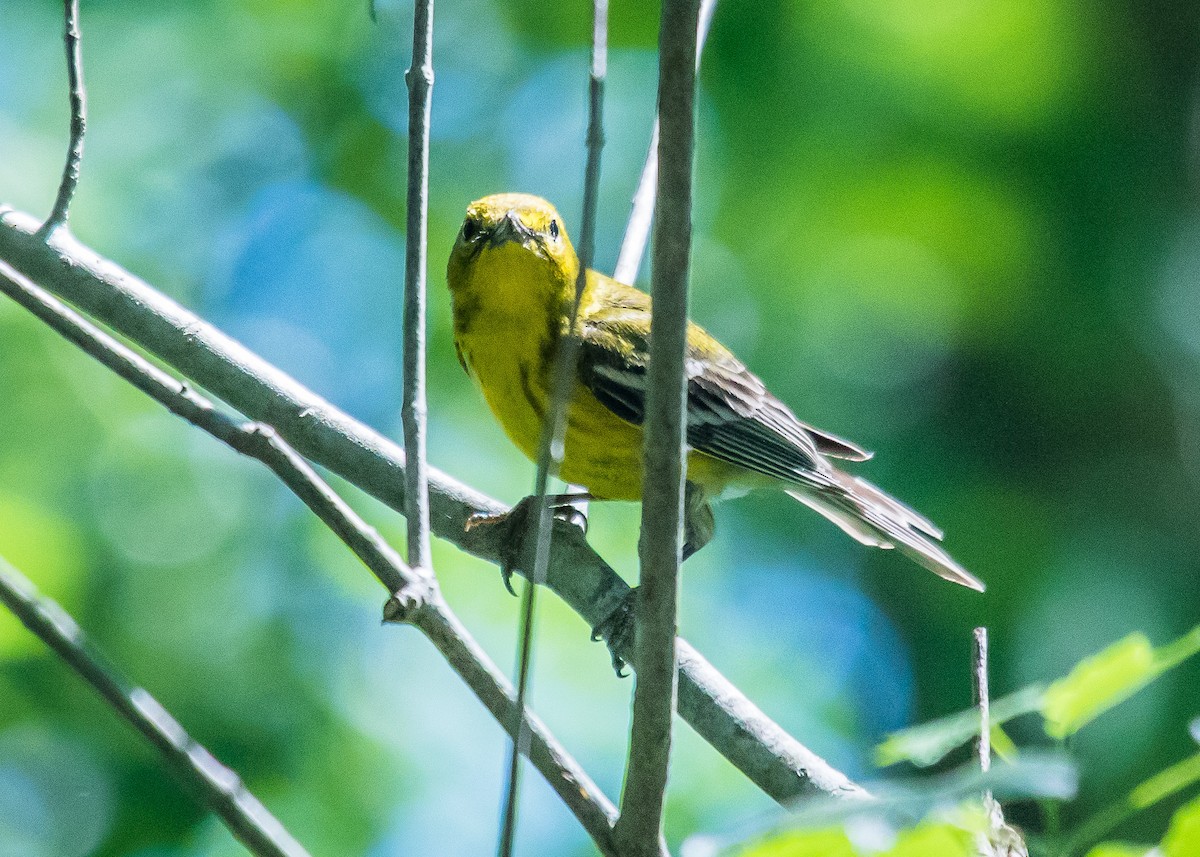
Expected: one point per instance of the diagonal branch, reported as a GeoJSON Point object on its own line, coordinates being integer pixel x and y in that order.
{"type": "Point", "coordinates": [639, 828]}
{"type": "Point", "coordinates": [218, 787]}
{"type": "Point", "coordinates": [779, 764]}
{"type": "Point", "coordinates": [415, 597]}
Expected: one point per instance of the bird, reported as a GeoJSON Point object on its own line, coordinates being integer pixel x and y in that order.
{"type": "Point", "coordinates": [512, 279]}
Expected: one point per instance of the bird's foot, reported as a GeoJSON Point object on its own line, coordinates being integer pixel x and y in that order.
{"type": "Point", "coordinates": [617, 630]}
{"type": "Point", "coordinates": [516, 522]}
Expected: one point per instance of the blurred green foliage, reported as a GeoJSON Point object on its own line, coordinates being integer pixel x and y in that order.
{"type": "Point", "coordinates": [1095, 685]}
{"type": "Point", "coordinates": [965, 234]}
{"type": "Point", "coordinates": [930, 839]}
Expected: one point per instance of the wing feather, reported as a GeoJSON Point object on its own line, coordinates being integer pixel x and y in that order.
{"type": "Point", "coordinates": [732, 417]}
{"type": "Point", "coordinates": [731, 414]}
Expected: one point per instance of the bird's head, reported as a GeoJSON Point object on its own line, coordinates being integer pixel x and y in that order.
{"type": "Point", "coordinates": [517, 233]}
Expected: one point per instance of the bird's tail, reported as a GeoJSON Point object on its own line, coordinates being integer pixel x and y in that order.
{"type": "Point", "coordinates": [875, 518]}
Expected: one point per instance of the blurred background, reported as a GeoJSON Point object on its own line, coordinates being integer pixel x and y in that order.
{"type": "Point", "coordinates": [964, 234]}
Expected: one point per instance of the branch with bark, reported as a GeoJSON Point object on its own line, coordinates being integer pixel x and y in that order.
{"type": "Point", "coordinates": [77, 95]}
{"type": "Point", "coordinates": [289, 418]}
{"type": "Point", "coordinates": [415, 597]}
{"type": "Point", "coordinates": [641, 215]}
{"type": "Point", "coordinates": [718, 711]}
{"type": "Point", "coordinates": [413, 411]}
{"type": "Point", "coordinates": [216, 786]}
{"type": "Point", "coordinates": [660, 546]}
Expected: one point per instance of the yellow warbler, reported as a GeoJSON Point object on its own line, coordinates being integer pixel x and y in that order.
{"type": "Point", "coordinates": [512, 276]}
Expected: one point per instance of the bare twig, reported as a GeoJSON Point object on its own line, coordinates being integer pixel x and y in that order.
{"type": "Point", "coordinates": [595, 140]}
{"type": "Point", "coordinates": [637, 231]}
{"type": "Point", "coordinates": [415, 597]}
{"type": "Point", "coordinates": [218, 787]}
{"type": "Point", "coordinates": [78, 97]}
{"type": "Point", "coordinates": [594, 811]}
{"type": "Point", "coordinates": [639, 829]}
{"type": "Point", "coordinates": [550, 449]}
{"type": "Point", "coordinates": [774, 760]}
{"type": "Point", "coordinates": [999, 839]}
{"type": "Point", "coordinates": [979, 658]}
{"type": "Point", "coordinates": [416, 477]}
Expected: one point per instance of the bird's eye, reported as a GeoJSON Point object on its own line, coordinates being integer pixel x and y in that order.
{"type": "Point", "coordinates": [554, 229]}
{"type": "Point", "coordinates": [470, 229]}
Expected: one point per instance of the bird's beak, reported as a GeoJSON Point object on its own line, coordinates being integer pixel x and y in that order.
{"type": "Point", "coordinates": [510, 228]}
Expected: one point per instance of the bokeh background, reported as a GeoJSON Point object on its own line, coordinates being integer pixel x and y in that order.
{"type": "Point", "coordinates": [965, 234]}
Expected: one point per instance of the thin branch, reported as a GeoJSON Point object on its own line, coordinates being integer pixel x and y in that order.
{"type": "Point", "coordinates": [779, 764]}
{"type": "Point", "coordinates": [639, 829]}
{"type": "Point", "coordinates": [255, 440]}
{"type": "Point", "coordinates": [415, 597]}
{"type": "Point", "coordinates": [78, 97]}
{"type": "Point", "coordinates": [979, 659]}
{"type": "Point", "coordinates": [416, 476]}
{"type": "Point", "coordinates": [637, 231]}
{"type": "Point", "coordinates": [1000, 839]}
{"type": "Point", "coordinates": [595, 812]}
{"type": "Point", "coordinates": [595, 140]}
{"type": "Point", "coordinates": [550, 448]}
{"type": "Point", "coordinates": [218, 787]}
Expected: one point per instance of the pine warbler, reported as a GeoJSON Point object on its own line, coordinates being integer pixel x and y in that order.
{"type": "Point", "coordinates": [512, 276]}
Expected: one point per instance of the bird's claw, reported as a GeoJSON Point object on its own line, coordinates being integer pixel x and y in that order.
{"type": "Point", "coordinates": [515, 527]}
{"type": "Point", "coordinates": [506, 576]}
{"type": "Point", "coordinates": [617, 631]}
{"type": "Point", "coordinates": [516, 523]}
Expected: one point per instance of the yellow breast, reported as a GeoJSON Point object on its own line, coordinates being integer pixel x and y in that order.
{"type": "Point", "coordinates": [507, 322]}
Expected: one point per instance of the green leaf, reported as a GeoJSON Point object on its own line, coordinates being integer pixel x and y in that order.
{"type": "Point", "coordinates": [934, 839]}
{"type": "Point", "coordinates": [1002, 745]}
{"type": "Point", "coordinates": [1119, 849]}
{"type": "Point", "coordinates": [1183, 836]}
{"type": "Point", "coordinates": [933, 816]}
{"type": "Point", "coordinates": [1108, 678]}
{"type": "Point", "coordinates": [903, 803]}
{"type": "Point", "coordinates": [1166, 783]}
{"type": "Point", "coordinates": [928, 743]}
{"type": "Point", "coordinates": [831, 842]}
{"type": "Point", "coordinates": [927, 839]}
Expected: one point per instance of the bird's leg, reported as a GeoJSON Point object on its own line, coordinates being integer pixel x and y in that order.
{"type": "Point", "coordinates": [516, 522]}
{"type": "Point", "coordinates": [618, 628]}
{"type": "Point", "coordinates": [698, 521]}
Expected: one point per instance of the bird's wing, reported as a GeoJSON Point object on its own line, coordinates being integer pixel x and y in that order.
{"type": "Point", "coordinates": [730, 414]}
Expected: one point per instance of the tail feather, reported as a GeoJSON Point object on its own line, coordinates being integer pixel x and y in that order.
{"type": "Point", "coordinates": [875, 518]}
{"type": "Point", "coordinates": [852, 526]}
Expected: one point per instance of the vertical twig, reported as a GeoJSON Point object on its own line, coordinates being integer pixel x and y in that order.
{"type": "Point", "coordinates": [998, 838]}
{"type": "Point", "coordinates": [639, 828]}
{"type": "Point", "coordinates": [591, 179]}
{"type": "Point", "coordinates": [637, 231]}
{"type": "Point", "coordinates": [979, 657]}
{"type": "Point", "coordinates": [78, 96]}
{"type": "Point", "coordinates": [419, 78]}
{"type": "Point", "coordinates": [550, 448]}
{"type": "Point", "coordinates": [221, 790]}
{"type": "Point", "coordinates": [595, 141]}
